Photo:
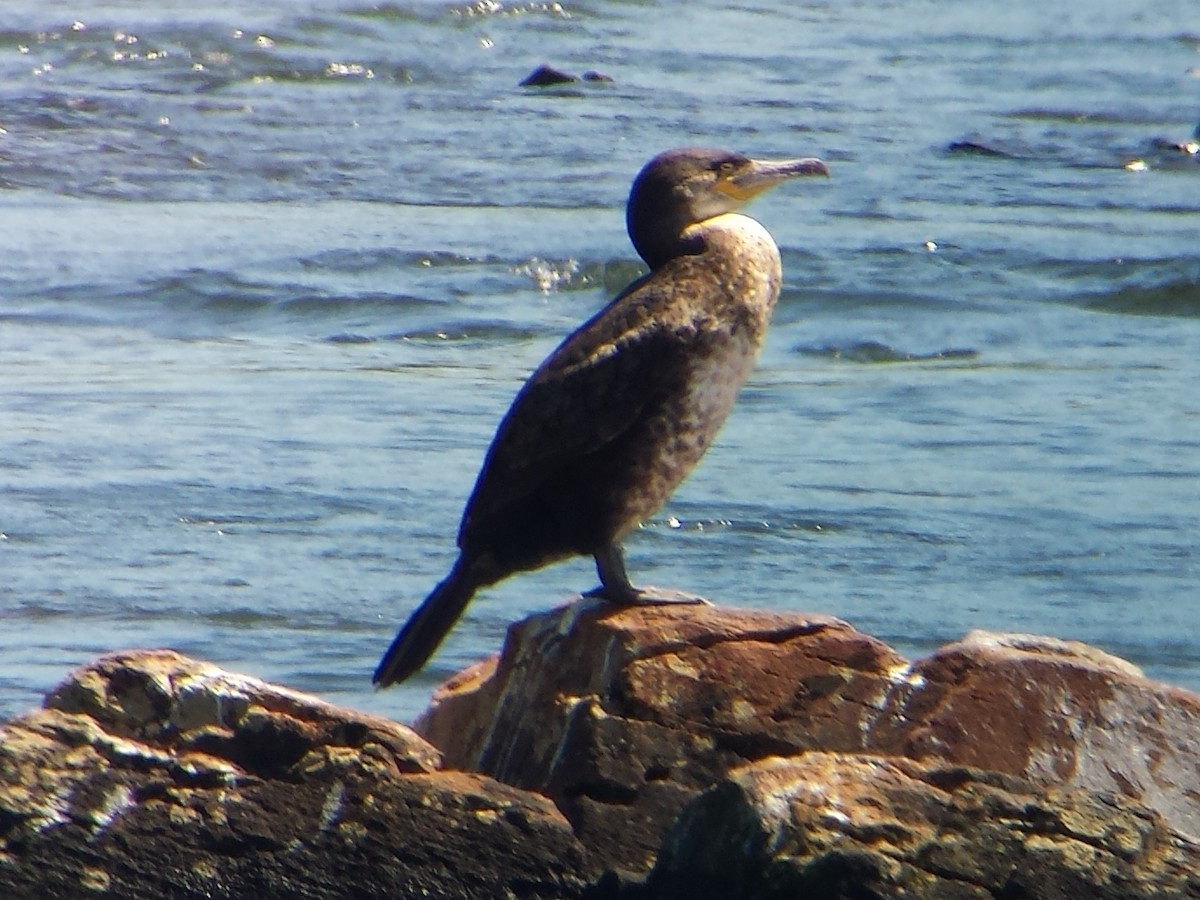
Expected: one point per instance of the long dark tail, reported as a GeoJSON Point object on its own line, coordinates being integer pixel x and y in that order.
{"type": "Point", "coordinates": [428, 626]}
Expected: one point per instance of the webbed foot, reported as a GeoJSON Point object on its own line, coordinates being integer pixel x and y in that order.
{"type": "Point", "coordinates": [646, 596]}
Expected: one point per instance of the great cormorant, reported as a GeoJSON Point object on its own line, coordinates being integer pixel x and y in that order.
{"type": "Point", "coordinates": [615, 418]}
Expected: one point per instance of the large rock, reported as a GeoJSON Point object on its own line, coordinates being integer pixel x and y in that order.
{"type": "Point", "coordinates": [835, 827]}
{"type": "Point", "coordinates": [1000, 766]}
{"type": "Point", "coordinates": [1056, 712]}
{"type": "Point", "coordinates": [622, 715]}
{"type": "Point", "coordinates": [149, 775]}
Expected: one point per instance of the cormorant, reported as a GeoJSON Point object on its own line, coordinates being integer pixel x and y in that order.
{"type": "Point", "coordinates": [615, 418]}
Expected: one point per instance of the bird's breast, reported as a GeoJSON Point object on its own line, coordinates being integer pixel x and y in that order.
{"type": "Point", "coordinates": [724, 302]}
{"type": "Point", "coordinates": [712, 383]}
{"type": "Point", "coordinates": [736, 279]}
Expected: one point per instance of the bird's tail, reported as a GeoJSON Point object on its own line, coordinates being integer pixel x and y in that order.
{"type": "Point", "coordinates": [427, 627]}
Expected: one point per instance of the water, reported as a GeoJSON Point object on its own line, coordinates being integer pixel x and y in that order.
{"type": "Point", "coordinates": [269, 276]}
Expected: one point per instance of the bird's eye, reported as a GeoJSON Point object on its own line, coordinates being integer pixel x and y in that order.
{"type": "Point", "coordinates": [726, 169]}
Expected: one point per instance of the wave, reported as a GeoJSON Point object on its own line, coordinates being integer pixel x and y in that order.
{"type": "Point", "coordinates": [1178, 298]}
{"type": "Point", "coordinates": [871, 352]}
{"type": "Point", "coordinates": [1164, 286]}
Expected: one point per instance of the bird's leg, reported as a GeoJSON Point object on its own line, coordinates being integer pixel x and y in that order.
{"type": "Point", "coordinates": [614, 582]}
{"type": "Point", "coordinates": [615, 586]}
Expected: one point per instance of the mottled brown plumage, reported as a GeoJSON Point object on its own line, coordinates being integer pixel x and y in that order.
{"type": "Point", "coordinates": [618, 415]}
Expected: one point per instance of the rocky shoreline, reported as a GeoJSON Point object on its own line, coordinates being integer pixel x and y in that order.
{"type": "Point", "coordinates": [652, 752]}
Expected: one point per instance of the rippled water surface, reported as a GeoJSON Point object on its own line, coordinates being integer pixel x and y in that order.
{"type": "Point", "coordinates": [270, 274]}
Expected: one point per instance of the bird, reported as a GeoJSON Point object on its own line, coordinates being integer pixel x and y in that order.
{"type": "Point", "coordinates": [622, 410]}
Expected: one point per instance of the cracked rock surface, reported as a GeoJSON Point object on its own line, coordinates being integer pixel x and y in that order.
{"type": "Point", "coordinates": [682, 750]}
{"type": "Point", "coordinates": [151, 775]}
{"type": "Point", "coordinates": [621, 715]}
{"type": "Point", "coordinates": [835, 826]}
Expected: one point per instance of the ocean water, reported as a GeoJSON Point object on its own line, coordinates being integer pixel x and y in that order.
{"type": "Point", "coordinates": [270, 275]}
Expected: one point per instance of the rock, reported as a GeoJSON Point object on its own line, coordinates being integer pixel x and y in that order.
{"type": "Point", "coordinates": [623, 715]}
{"type": "Point", "coordinates": [1056, 712]}
{"type": "Point", "coordinates": [150, 775]}
{"type": "Point", "coordinates": [999, 766]}
{"type": "Point", "coordinates": [546, 75]}
{"type": "Point", "coordinates": [975, 148]}
{"type": "Point", "coordinates": [834, 826]}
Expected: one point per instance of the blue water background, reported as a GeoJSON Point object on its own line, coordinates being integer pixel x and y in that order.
{"type": "Point", "coordinates": [270, 274]}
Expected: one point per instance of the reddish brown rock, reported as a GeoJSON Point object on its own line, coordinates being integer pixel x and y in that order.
{"type": "Point", "coordinates": [150, 775]}
{"type": "Point", "coordinates": [622, 715]}
{"type": "Point", "coordinates": [1057, 712]}
{"type": "Point", "coordinates": [835, 827]}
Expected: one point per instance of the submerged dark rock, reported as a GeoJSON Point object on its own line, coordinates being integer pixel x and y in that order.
{"type": "Point", "coordinates": [874, 352]}
{"type": "Point", "coordinates": [547, 75]}
{"type": "Point", "coordinates": [976, 148]}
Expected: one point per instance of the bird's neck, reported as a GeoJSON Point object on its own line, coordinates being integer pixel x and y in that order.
{"type": "Point", "coordinates": [737, 241]}
{"type": "Point", "coordinates": [661, 226]}
{"type": "Point", "coordinates": [659, 245]}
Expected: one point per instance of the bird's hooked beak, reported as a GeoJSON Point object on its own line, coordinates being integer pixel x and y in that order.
{"type": "Point", "coordinates": [762, 174]}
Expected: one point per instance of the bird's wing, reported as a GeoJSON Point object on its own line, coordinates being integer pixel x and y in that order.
{"type": "Point", "coordinates": [588, 392]}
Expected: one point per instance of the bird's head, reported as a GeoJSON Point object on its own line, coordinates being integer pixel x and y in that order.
{"type": "Point", "coordinates": [679, 188]}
